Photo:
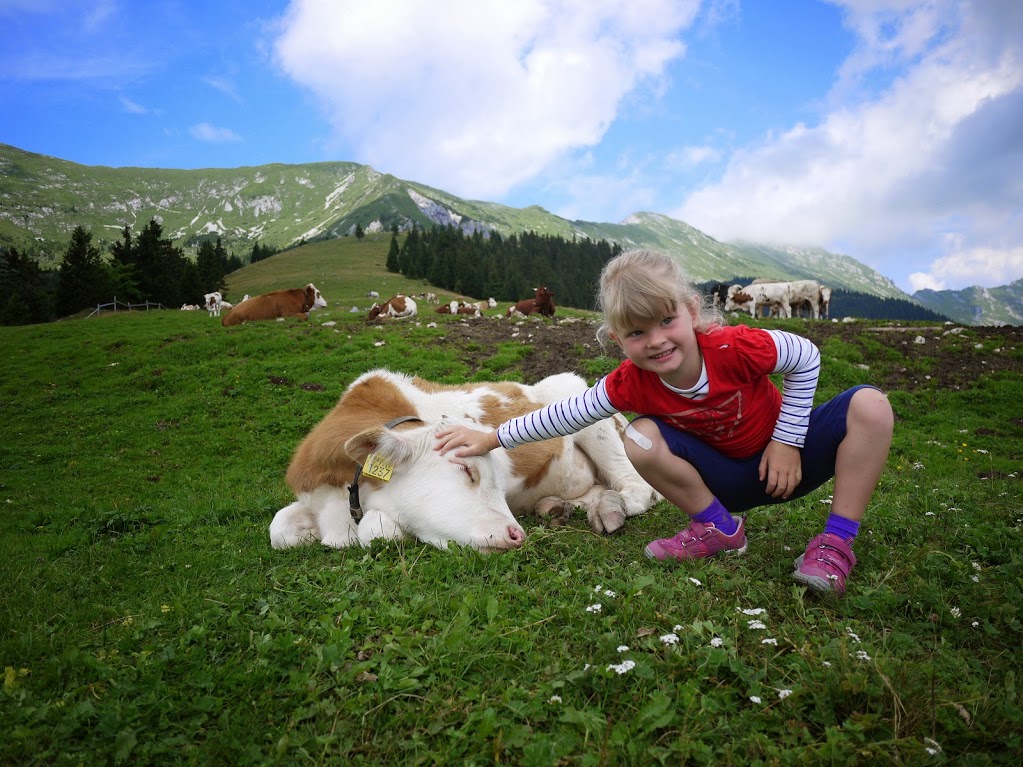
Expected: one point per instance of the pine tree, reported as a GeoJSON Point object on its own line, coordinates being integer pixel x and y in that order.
{"type": "Point", "coordinates": [83, 279]}
{"type": "Point", "coordinates": [26, 292]}
{"type": "Point", "coordinates": [393, 252]}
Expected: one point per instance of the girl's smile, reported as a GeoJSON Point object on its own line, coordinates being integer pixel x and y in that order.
{"type": "Point", "coordinates": [666, 346]}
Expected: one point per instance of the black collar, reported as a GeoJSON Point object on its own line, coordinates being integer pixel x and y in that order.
{"type": "Point", "coordinates": [354, 505]}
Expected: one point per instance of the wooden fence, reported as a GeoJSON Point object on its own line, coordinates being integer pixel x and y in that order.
{"type": "Point", "coordinates": [116, 305]}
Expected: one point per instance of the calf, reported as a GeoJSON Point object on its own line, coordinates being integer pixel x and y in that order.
{"type": "Point", "coordinates": [374, 456]}
{"type": "Point", "coordinates": [296, 302]}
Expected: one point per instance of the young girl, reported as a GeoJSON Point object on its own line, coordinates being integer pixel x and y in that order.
{"type": "Point", "coordinates": [713, 434]}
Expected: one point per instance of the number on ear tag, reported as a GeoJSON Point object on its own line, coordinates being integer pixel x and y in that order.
{"type": "Point", "coordinates": [378, 468]}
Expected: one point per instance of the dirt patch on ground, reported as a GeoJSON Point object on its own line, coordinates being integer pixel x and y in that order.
{"type": "Point", "coordinates": [893, 356]}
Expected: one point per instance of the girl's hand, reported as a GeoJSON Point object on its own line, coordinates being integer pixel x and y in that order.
{"type": "Point", "coordinates": [782, 468]}
{"type": "Point", "coordinates": [463, 442]}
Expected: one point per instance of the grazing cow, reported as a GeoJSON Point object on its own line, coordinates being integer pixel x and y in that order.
{"type": "Point", "coordinates": [372, 294]}
{"type": "Point", "coordinates": [719, 294]}
{"type": "Point", "coordinates": [213, 303]}
{"type": "Point", "coordinates": [374, 456]}
{"type": "Point", "coordinates": [396, 307]}
{"type": "Point", "coordinates": [296, 302]}
{"type": "Point", "coordinates": [751, 297]}
{"type": "Point", "coordinates": [825, 302]}
{"type": "Point", "coordinates": [431, 298]}
{"type": "Point", "coordinates": [805, 293]}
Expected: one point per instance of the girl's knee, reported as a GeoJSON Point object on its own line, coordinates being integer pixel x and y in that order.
{"type": "Point", "coordinates": [871, 409]}
{"type": "Point", "coordinates": [643, 442]}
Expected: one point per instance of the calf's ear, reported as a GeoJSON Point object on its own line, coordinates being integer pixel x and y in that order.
{"type": "Point", "coordinates": [386, 443]}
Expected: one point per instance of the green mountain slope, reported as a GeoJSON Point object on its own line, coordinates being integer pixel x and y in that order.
{"type": "Point", "coordinates": [43, 198]}
{"type": "Point", "coordinates": [976, 305]}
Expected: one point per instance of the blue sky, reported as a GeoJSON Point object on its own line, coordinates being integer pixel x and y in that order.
{"type": "Point", "coordinates": [889, 130]}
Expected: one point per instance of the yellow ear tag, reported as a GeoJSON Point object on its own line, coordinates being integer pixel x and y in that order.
{"type": "Point", "coordinates": [378, 468]}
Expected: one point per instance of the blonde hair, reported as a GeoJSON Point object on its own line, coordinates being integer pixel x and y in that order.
{"type": "Point", "coordinates": [639, 286]}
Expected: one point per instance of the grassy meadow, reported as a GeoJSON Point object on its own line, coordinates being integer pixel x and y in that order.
{"type": "Point", "coordinates": [145, 620]}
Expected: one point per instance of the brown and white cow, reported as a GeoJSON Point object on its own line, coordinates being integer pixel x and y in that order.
{"type": "Point", "coordinates": [438, 498]}
{"type": "Point", "coordinates": [296, 302]}
{"type": "Point", "coordinates": [541, 303]}
{"type": "Point", "coordinates": [752, 297]}
{"type": "Point", "coordinates": [213, 303]}
{"type": "Point", "coordinates": [396, 307]}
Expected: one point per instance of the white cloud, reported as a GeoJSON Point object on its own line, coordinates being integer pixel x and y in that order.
{"type": "Point", "coordinates": [132, 106]}
{"type": "Point", "coordinates": [476, 97]}
{"type": "Point", "coordinates": [223, 85]}
{"type": "Point", "coordinates": [895, 169]}
{"type": "Point", "coordinates": [976, 266]}
{"type": "Point", "coordinates": [213, 134]}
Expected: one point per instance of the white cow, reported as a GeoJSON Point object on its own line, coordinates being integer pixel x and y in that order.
{"type": "Point", "coordinates": [213, 303]}
{"type": "Point", "coordinates": [806, 293]}
{"type": "Point", "coordinates": [438, 498]}
{"type": "Point", "coordinates": [825, 301]}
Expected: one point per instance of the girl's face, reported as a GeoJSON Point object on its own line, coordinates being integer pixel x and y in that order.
{"type": "Point", "coordinates": [665, 346]}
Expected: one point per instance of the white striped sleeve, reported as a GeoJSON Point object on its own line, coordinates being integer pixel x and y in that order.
{"type": "Point", "coordinates": [559, 419]}
{"type": "Point", "coordinates": [800, 362]}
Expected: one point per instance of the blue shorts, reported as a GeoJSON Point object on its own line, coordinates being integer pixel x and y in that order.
{"type": "Point", "coordinates": [736, 481]}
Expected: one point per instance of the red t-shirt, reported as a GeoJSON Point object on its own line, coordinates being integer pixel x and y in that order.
{"type": "Point", "coordinates": [738, 415]}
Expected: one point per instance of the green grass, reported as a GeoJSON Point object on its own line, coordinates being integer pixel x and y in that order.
{"type": "Point", "coordinates": [146, 620]}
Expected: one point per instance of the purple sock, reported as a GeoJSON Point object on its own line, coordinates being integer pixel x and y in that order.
{"type": "Point", "coordinates": [844, 528]}
{"type": "Point", "coordinates": [718, 515]}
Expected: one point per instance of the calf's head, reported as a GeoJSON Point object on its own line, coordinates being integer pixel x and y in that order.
{"type": "Point", "coordinates": [437, 498]}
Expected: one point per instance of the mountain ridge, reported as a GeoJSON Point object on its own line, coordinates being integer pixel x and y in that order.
{"type": "Point", "coordinates": [43, 198]}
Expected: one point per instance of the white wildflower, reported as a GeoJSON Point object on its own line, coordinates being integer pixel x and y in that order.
{"type": "Point", "coordinates": [623, 648]}
{"type": "Point", "coordinates": [670, 639]}
{"type": "Point", "coordinates": [595, 608]}
{"type": "Point", "coordinates": [609, 593]}
{"type": "Point", "coordinates": [982, 452]}
{"type": "Point", "coordinates": [928, 513]}
{"type": "Point", "coordinates": [622, 668]}
{"type": "Point", "coordinates": [757, 624]}
{"type": "Point", "coordinates": [677, 627]}
{"type": "Point", "coordinates": [918, 466]}
{"type": "Point", "coordinates": [783, 694]}
{"type": "Point", "coordinates": [695, 582]}
{"type": "Point", "coordinates": [717, 642]}
{"type": "Point", "coordinates": [975, 578]}
{"type": "Point", "coordinates": [769, 640]}
{"type": "Point", "coordinates": [932, 746]}
{"type": "Point", "coordinates": [826, 664]}
{"type": "Point", "coordinates": [955, 612]}
{"type": "Point", "coordinates": [554, 699]}
{"type": "Point", "coordinates": [976, 566]}
{"type": "Point", "coordinates": [862, 655]}
{"type": "Point", "coordinates": [826, 501]}
{"type": "Point", "coordinates": [975, 624]}
{"type": "Point", "coordinates": [754, 698]}
{"type": "Point", "coordinates": [754, 611]}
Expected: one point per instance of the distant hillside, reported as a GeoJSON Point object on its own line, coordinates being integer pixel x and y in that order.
{"type": "Point", "coordinates": [976, 305]}
{"type": "Point", "coordinates": [42, 199]}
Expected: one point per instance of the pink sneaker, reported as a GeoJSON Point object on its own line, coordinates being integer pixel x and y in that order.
{"type": "Point", "coordinates": [825, 564]}
{"type": "Point", "coordinates": [698, 541]}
